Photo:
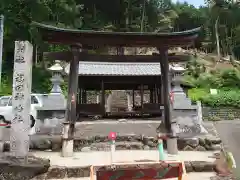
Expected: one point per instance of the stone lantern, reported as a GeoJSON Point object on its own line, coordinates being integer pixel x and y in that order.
{"type": "Point", "coordinates": [177, 75]}
{"type": "Point", "coordinates": [56, 79]}
{"type": "Point", "coordinates": [181, 101]}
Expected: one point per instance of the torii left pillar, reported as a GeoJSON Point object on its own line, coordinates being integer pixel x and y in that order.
{"type": "Point", "coordinates": [172, 139]}
{"type": "Point", "coordinates": [71, 113]}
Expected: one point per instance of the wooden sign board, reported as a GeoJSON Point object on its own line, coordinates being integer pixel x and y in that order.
{"type": "Point", "coordinates": [139, 171]}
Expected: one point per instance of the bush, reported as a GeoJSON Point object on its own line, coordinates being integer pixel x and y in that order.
{"type": "Point", "coordinates": [214, 118]}
{"type": "Point", "coordinates": [230, 78]}
{"type": "Point", "coordinates": [208, 80]}
{"type": "Point", "coordinates": [214, 79]}
{"type": "Point", "coordinates": [196, 94]}
{"type": "Point", "coordinates": [224, 97]}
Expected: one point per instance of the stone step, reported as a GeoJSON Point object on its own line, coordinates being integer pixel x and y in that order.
{"type": "Point", "coordinates": [202, 169]}
{"type": "Point", "coordinates": [190, 176]}
{"type": "Point", "coordinates": [78, 166]}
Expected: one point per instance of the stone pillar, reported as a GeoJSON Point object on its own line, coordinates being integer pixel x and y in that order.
{"type": "Point", "coordinates": [141, 93]}
{"type": "Point", "coordinates": [199, 112]}
{"type": "Point", "coordinates": [129, 101]}
{"type": "Point", "coordinates": [145, 100]}
{"type": "Point", "coordinates": [21, 99]}
{"type": "Point", "coordinates": [109, 103]}
{"type": "Point", "coordinates": [98, 98]}
{"type": "Point", "coordinates": [103, 98]}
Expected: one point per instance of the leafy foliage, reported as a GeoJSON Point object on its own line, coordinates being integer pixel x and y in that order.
{"type": "Point", "coordinates": [223, 98]}
{"type": "Point", "coordinates": [226, 81]}
{"type": "Point", "coordinates": [218, 19]}
{"type": "Point", "coordinates": [195, 68]}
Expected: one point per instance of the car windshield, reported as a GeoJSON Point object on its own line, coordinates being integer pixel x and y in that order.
{"type": "Point", "coordinates": [4, 101]}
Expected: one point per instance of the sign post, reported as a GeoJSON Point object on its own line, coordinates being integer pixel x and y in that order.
{"type": "Point", "coordinates": [21, 99]}
{"type": "Point", "coordinates": [112, 137]}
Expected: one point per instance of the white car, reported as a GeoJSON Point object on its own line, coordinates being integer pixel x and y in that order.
{"type": "Point", "coordinates": [39, 102]}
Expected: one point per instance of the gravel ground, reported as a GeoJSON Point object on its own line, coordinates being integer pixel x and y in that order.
{"type": "Point", "coordinates": [148, 129]}
{"type": "Point", "coordinates": [99, 128]}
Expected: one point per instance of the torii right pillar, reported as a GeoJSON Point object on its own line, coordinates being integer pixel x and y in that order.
{"type": "Point", "coordinates": [172, 139]}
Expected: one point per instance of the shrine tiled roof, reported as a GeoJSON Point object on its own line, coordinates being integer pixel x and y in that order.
{"type": "Point", "coordinates": [118, 69]}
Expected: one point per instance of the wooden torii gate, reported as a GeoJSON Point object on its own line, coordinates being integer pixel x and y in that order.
{"type": "Point", "coordinates": [80, 40]}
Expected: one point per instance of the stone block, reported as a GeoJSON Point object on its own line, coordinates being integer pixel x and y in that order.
{"type": "Point", "coordinates": [12, 168]}
{"type": "Point", "coordinates": [188, 148]}
{"type": "Point", "coordinates": [202, 166]}
{"type": "Point", "coordinates": [86, 149]}
{"type": "Point", "coordinates": [216, 147]}
{"type": "Point", "coordinates": [146, 139]}
{"type": "Point", "coordinates": [213, 140]}
{"type": "Point", "coordinates": [200, 148]}
{"type": "Point", "coordinates": [99, 138]}
{"type": "Point", "coordinates": [202, 142]}
{"type": "Point", "coordinates": [57, 146]}
{"type": "Point", "coordinates": [42, 144]}
{"type": "Point", "coordinates": [188, 166]}
{"type": "Point", "coordinates": [57, 173]}
{"type": "Point", "coordinates": [129, 145]}
{"type": "Point", "coordinates": [78, 172]}
{"type": "Point", "coordinates": [181, 144]}
{"type": "Point", "coordinates": [145, 147]}
{"type": "Point", "coordinates": [40, 177]}
{"type": "Point", "coordinates": [193, 142]}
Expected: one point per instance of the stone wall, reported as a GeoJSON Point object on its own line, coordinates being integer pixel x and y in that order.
{"type": "Point", "coordinates": [220, 113]}
{"type": "Point", "coordinates": [124, 142]}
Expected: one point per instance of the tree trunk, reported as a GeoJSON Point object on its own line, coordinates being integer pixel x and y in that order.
{"type": "Point", "coordinates": [127, 16]}
{"type": "Point", "coordinates": [94, 12]}
{"type": "Point", "coordinates": [143, 16]}
{"type": "Point", "coordinates": [217, 39]}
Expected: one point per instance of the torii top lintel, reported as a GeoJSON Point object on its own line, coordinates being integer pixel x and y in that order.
{"type": "Point", "coordinates": [57, 35]}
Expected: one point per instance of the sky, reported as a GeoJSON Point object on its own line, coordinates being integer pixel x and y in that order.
{"type": "Point", "coordinates": [196, 3]}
